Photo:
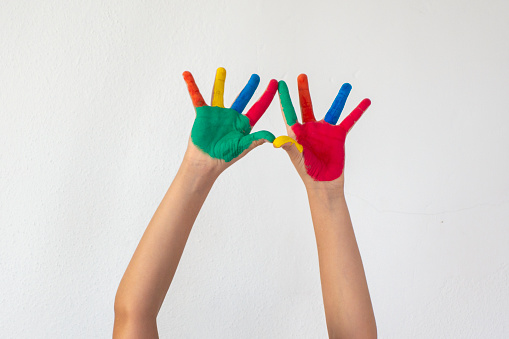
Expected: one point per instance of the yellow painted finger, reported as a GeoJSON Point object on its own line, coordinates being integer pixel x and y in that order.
{"type": "Point", "coordinates": [218, 91]}
{"type": "Point", "coordinates": [280, 141]}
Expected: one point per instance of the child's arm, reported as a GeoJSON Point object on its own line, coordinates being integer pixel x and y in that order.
{"type": "Point", "coordinates": [347, 303]}
{"type": "Point", "coordinates": [152, 267]}
{"type": "Point", "coordinates": [316, 149]}
{"type": "Point", "coordinates": [220, 136]}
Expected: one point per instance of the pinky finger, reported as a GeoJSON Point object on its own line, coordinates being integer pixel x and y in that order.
{"type": "Point", "coordinates": [193, 90]}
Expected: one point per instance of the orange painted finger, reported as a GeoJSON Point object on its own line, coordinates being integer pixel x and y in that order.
{"type": "Point", "coordinates": [193, 90]}
{"type": "Point", "coordinates": [306, 107]}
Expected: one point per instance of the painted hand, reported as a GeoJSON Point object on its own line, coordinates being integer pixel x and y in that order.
{"type": "Point", "coordinates": [223, 134]}
{"type": "Point", "coordinates": [317, 148]}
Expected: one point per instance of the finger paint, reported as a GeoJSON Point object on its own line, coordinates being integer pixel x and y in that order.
{"type": "Point", "coordinates": [286, 104]}
{"type": "Point", "coordinates": [223, 133]}
{"type": "Point", "coordinates": [324, 149]}
{"type": "Point", "coordinates": [306, 106]}
{"type": "Point", "coordinates": [218, 91]}
{"type": "Point", "coordinates": [356, 114]}
{"type": "Point", "coordinates": [337, 106]}
{"type": "Point", "coordinates": [281, 140]}
{"type": "Point", "coordinates": [247, 93]}
{"type": "Point", "coordinates": [193, 90]}
{"type": "Point", "coordinates": [324, 144]}
{"type": "Point", "coordinates": [259, 107]}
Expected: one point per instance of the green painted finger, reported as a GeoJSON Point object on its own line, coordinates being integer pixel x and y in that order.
{"type": "Point", "coordinates": [286, 104]}
{"type": "Point", "coordinates": [263, 135]}
{"type": "Point", "coordinates": [246, 141]}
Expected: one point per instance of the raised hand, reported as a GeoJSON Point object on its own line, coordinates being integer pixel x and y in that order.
{"type": "Point", "coordinates": [317, 148]}
{"type": "Point", "coordinates": [223, 134]}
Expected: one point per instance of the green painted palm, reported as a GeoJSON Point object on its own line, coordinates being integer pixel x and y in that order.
{"type": "Point", "coordinates": [223, 133]}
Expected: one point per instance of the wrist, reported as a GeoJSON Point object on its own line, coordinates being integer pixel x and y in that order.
{"type": "Point", "coordinates": [326, 194]}
{"type": "Point", "coordinates": [330, 189]}
{"type": "Point", "coordinates": [197, 175]}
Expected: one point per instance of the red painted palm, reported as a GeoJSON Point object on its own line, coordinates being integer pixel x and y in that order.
{"type": "Point", "coordinates": [323, 141]}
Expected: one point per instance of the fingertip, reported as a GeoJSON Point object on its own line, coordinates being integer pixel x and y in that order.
{"type": "Point", "coordinates": [220, 76]}
{"type": "Point", "coordinates": [221, 71]}
{"type": "Point", "coordinates": [187, 75]}
{"type": "Point", "coordinates": [302, 78]}
{"type": "Point", "coordinates": [282, 87]}
{"type": "Point", "coordinates": [270, 139]}
{"type": "Point", "coordinates": [273, 85]}
{"type": "Point", "coordinates": [365, 104]}
{"type": "Point", "coordinates": [255, 78]}
{"type": "Point", "coordinates": [346, 87]}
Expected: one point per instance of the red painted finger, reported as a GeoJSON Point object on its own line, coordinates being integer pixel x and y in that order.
{"type": "Point", "coordinates": [356, 114]}
{"type": "Point", "coordinates": [306, 107]}
{"type": "Point", "coordinates": [193, 90]}
{"type": "Point", "coordinates": [256, 112]}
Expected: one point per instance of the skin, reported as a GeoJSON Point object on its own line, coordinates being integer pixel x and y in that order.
{"type": "Point", "coordinates": [149, 274]}
{"type": "Point", "coordinates": [348, 309]}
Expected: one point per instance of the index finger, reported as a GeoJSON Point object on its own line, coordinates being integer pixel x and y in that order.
{"type": "Point", "coordinates": [193, 90]}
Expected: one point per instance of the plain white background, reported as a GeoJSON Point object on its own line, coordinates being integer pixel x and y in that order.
{"type": "Point", "coordinates": [94, 123]}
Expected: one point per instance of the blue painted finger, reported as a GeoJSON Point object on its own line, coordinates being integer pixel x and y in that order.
{"type": "Point", "coordinates": [335, 110]}
{"type": "Point", "coordinates": [246, 94]}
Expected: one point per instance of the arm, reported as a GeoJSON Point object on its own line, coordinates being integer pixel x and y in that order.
{"type": "Point", "coordinates": [316, 149]}
{"type": "Point", "coordinates": [220, 136]}
{"type": "Point", "coordinates": [348, 309]}
{"type": "Point", "coordinates": [152, 267]}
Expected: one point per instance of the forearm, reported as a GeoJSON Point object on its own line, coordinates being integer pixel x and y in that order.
{"type": "Point", "coordinates": [153, 265]}
{"type": "Point", "coordinates": [347, 303]}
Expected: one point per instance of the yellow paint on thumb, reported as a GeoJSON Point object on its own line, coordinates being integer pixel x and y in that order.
{"type": "Point", "coordinates": [280, 141]}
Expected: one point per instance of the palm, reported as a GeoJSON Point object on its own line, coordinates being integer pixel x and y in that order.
{"type": "Point", "coordinates": [322, 142]}
{"type": "Point", "coordinates": [222, 133]}
{"type": "Point", "coordinates": [321, 161]}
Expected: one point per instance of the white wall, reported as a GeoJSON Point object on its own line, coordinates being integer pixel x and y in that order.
{"type": "Point", "coordinates": [94, 122]}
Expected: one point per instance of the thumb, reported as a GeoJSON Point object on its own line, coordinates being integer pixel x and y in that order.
{"type": "Point", "coordinates": [292, 147]}
{"type": "Point", "coordinates": [256, 139]}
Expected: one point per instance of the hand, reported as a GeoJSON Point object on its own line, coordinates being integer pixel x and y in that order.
{"type": "Point", "coordinates": [317, 148]}
{"type": "Point", "coordinates": [220, 136]}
